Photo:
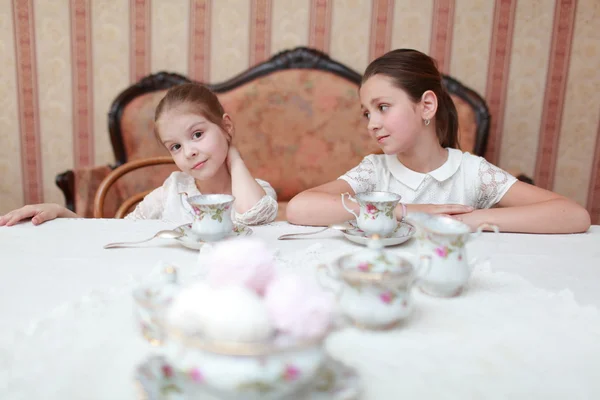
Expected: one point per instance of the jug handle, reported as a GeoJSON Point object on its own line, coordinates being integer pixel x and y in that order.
{"type": "Point", "coordinates": [478, 260]}
{"type": "Point", "coordinates": [346, 207]}
{"type": "Point", "coordinates": [421, 269]}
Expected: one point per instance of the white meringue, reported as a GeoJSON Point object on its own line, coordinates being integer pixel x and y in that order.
{"type": "Point", "coordinates": [237, 314]}
{"type": "Point", "coordinates": [188, 311]}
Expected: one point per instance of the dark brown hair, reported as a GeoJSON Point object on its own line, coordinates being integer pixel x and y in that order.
{"type": "Point", "coordinates": [197, 99]}
{"type": "Point", "coordinates": [415, 73]}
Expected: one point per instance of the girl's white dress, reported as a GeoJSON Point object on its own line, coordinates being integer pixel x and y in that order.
{"type": "Point", "coordinates": [463, 179]}
{"type": "Point", "coordinates": [165, 203]}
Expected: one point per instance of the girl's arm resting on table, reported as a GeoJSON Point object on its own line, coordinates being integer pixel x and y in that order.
{"type": "Point", "coordinates": [529, 209]}
{"type": "Point", "coordinates": [322, 206]}
{"type": "Point", "coordinates": [38, 213]}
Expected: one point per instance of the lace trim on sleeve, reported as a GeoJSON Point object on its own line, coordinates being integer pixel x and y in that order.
{"type": "Point", "coordinates": [362, 178]}
{"type": "Point", "coordinates": [150, 208]}
{"type": "Point", "coordinates": [263, 212]}
{"type": "Point", "coordinates": [136, 214]}
{"type": "Point", "coordinates": [493, 184]}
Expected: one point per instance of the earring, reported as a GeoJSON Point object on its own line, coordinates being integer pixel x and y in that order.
{"type": "Point", "coordinates": [427, 121]}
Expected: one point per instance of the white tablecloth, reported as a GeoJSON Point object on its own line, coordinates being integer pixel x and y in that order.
{"type": "Point", "coordinates": [528, 327]}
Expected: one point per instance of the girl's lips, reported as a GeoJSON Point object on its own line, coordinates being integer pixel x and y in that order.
{"type": "Point", "coordinates": [199, 165]}
{"type": "Point", "coordinates": [382, 138]}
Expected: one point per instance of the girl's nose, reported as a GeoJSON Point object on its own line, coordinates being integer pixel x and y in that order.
{"type": "Point", "coordinates": [191, 152]}
{"type": "Point", "coordinates": [373, 125]}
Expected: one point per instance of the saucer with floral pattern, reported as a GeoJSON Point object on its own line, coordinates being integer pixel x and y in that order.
{"type": "Point", "coordinates": [403, 232]}
{"type": "Point", "coordinates": [156, 379]}
{"type": "Point", "coordinates": [191, 240]}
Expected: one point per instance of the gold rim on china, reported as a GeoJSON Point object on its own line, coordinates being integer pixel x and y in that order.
{"type": "Point", "coordinates": [232, 348]}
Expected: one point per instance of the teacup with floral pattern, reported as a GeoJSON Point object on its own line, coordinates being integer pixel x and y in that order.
{"type": "Point", "coordinates": [211, 213]}
{"type": "Point", "coordinates": [376, 214]}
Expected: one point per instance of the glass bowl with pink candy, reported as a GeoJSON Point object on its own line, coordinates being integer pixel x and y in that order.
{"type": "Point", "coordinates": [247, 331]}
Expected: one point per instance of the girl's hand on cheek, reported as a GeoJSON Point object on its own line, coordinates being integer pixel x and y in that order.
{"type": "Point", "coordinates": [233, 156]}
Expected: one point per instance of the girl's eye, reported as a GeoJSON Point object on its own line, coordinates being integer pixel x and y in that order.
{"type": "Point", "coordinates": [366, 115]}
{"type": "Point", "coordinates": [383, 107]}
{"type": "Point", "coordinates": [197, 135]}
{"type": "Point", "coordinates": [174, 147]}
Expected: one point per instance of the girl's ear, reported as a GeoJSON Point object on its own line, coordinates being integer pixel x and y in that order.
{"type": "Point", "coordinates": [228, 126]}
{"type": "Point", "coordinates": [429, 104]}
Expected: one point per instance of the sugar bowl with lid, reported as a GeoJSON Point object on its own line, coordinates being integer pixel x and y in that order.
{"type": "Point", "coordinates": [374, 286]}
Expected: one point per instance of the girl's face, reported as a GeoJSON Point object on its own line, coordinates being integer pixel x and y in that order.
{"type": "Point", "coordinates": [393, 119]}
{"type": "Point", "coordinates": [197, 146]}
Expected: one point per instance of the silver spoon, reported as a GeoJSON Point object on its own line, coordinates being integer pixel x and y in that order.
{"type": "Point", "coordinates": [338, 227]}
{"type": "Point", "coordinates": [167, 234]}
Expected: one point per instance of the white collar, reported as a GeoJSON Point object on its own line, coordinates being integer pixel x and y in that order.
{"type": "Point", "coordinates": [413, 179]}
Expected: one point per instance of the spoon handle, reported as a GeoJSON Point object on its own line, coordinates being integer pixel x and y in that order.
{"type": "Point", "coordinates": [125, 244]}
{"type": "Point", "coordinates": [294, 235]}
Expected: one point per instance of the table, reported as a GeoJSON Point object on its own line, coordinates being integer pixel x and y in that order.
{"type": "Point", "coordinates": [67, 332]}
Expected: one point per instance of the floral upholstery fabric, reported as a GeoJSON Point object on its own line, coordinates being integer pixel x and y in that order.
{"type": "Point", "coordinates": [297, 129]}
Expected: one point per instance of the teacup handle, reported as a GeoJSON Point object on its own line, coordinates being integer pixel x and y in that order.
{"type": "Point", "coordinates": [329, 272]}
{"type": "Point", "coordinates": [478, 260]}
{"type": "Point", "coordinates": [481, 227]}
{"type": "Point", "coordinates": [183, 197]}
{"type": "Point", "coordinates": [344, 203]}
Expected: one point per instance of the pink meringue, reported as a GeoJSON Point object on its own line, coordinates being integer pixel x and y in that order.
{"type": "Point", "coordinates": [246, 262]}
{"type": "Point", "coordinates": [298, 306]}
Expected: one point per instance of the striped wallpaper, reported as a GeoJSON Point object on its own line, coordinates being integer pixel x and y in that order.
{"type": "Point", "coordinates": [537, 62]}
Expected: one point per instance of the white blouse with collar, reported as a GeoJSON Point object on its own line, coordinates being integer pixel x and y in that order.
{"type": "Point", "coordinates": [463, 179]}
{"type": "Point", "coordinates": [164, 203]}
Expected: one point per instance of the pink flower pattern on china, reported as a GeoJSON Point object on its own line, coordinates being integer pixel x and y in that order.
{"type": "Point", "coordinates": [167, 371]}
{"type": "Point", "coordinates": [291, 373]}
{"type": "Point", "coordinates": [387, 297]}
{"type": "Point", "coordinates": [442, 251]}
{"type": "Point", "coordinates": [213, 211]}
{"type": "Point", "coordinates": [196, 375]}
{"type": "Point", "coordinates": [364, 266]}
{"type": "Point", "coordinates": [372, 211]}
